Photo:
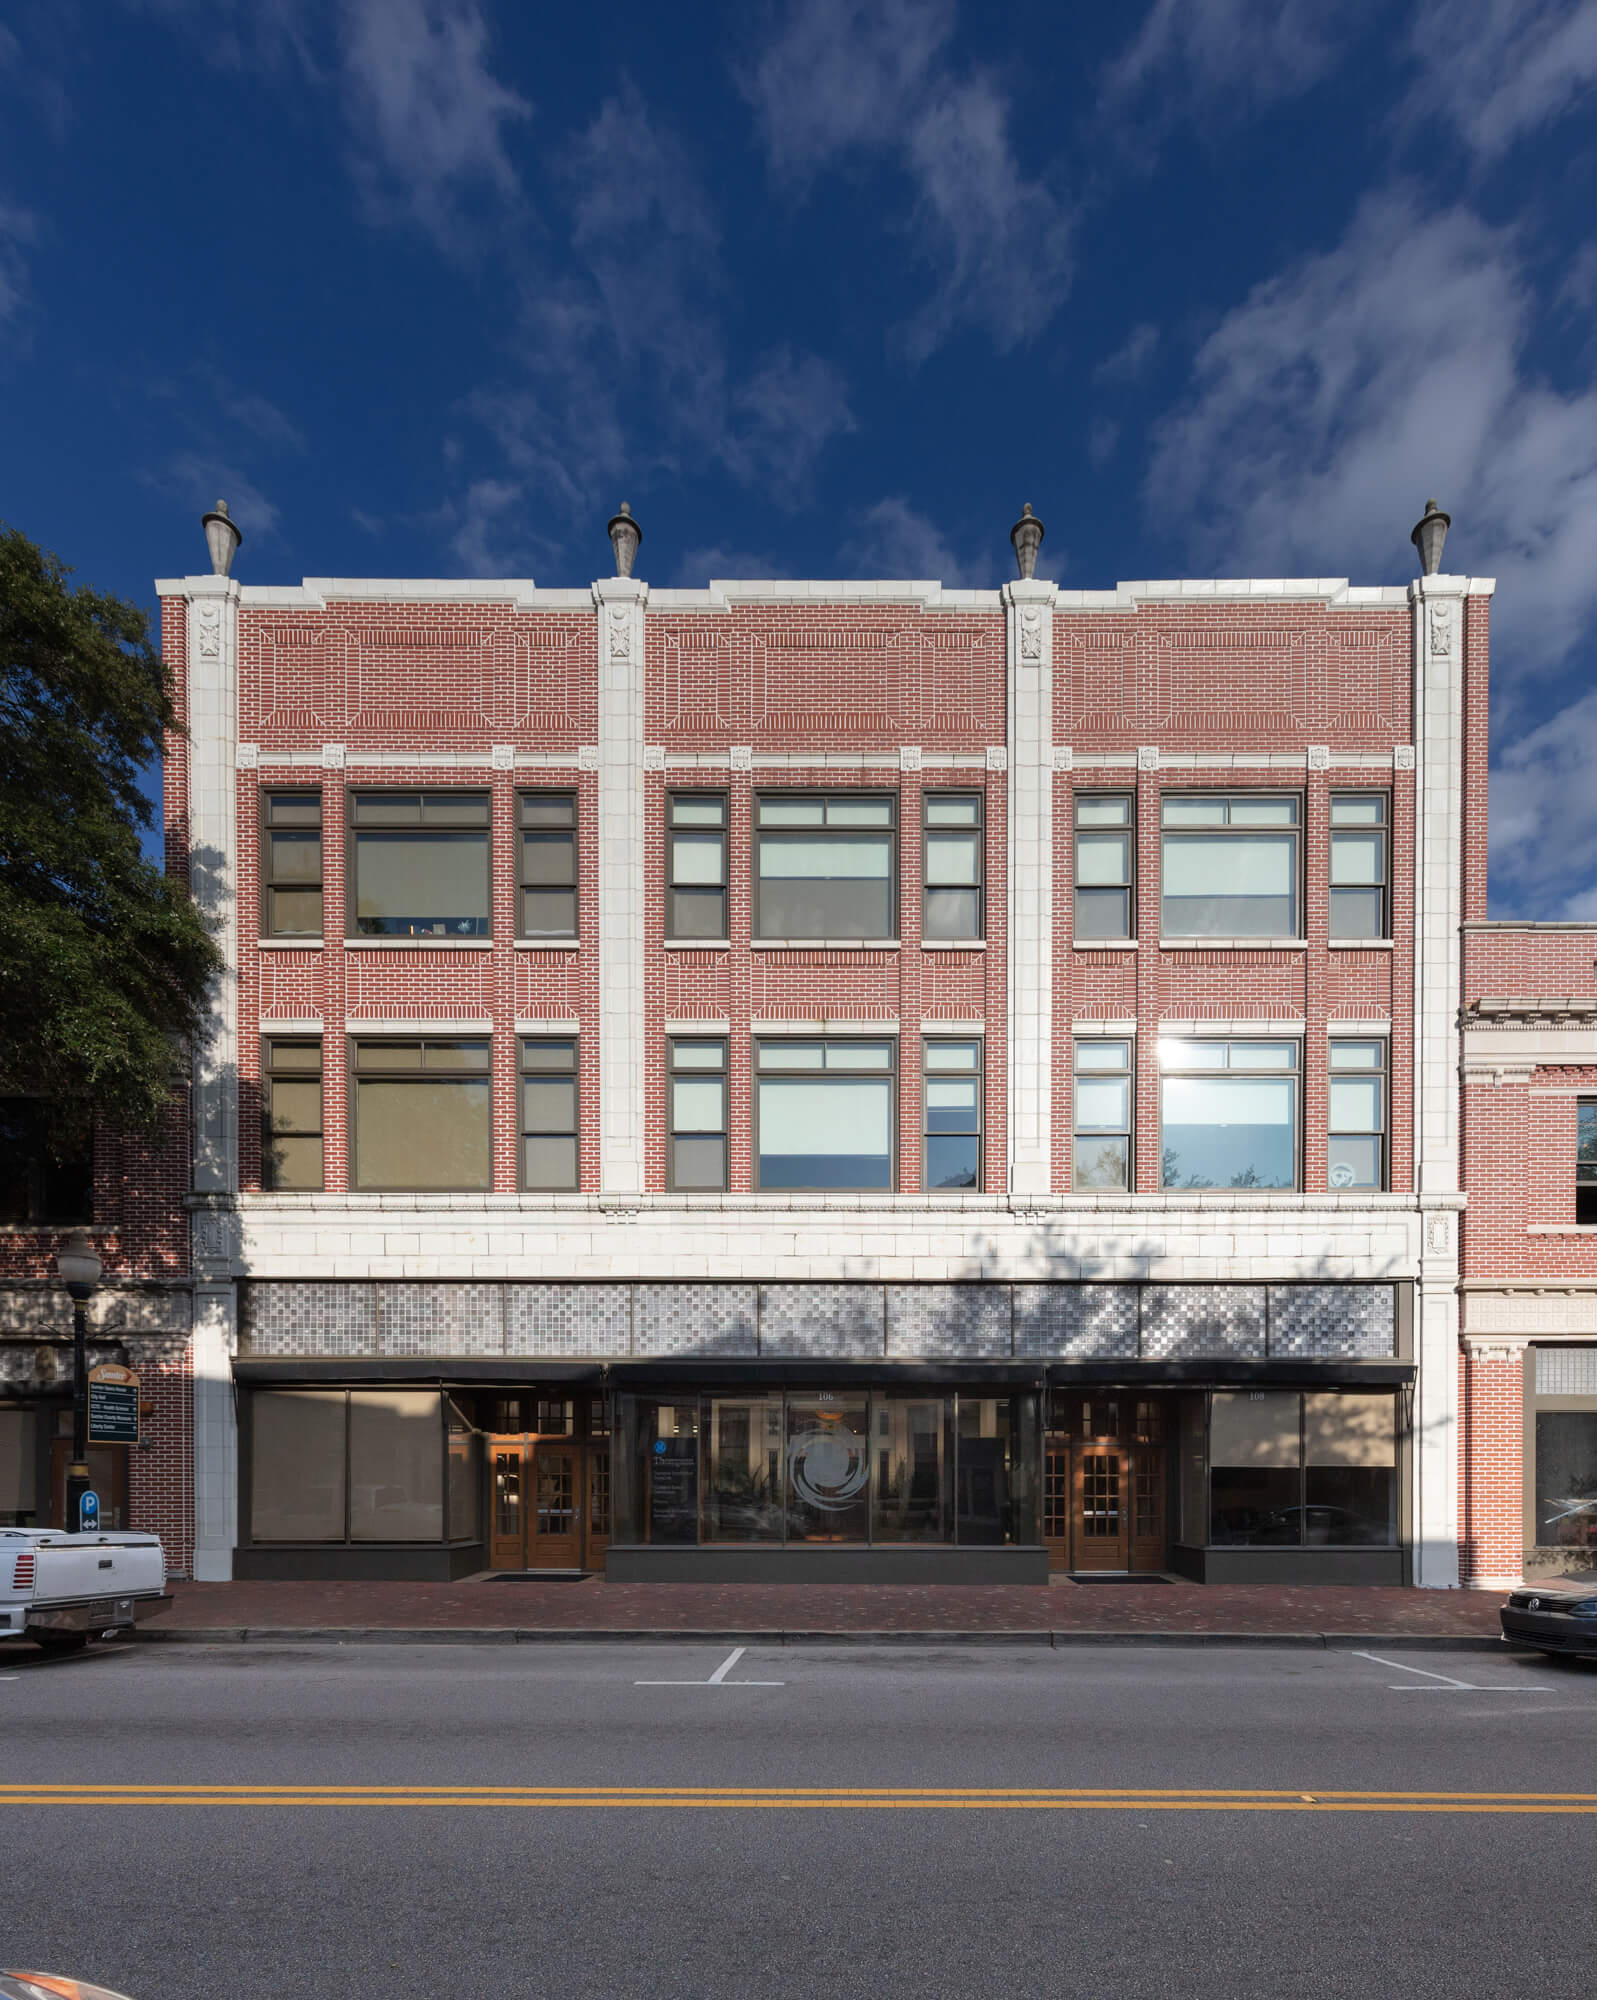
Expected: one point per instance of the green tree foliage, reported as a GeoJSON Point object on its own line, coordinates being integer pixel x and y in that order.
{"type": "Point", "coordinates": [104, 960]}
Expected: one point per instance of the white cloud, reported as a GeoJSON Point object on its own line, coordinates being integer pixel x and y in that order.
{"type": "Point", "coordinates": [786, 413]}
{"type": "Point", "coordinates": [895, 541]}
{"type": "Point", "coordinates": [841, 77]}
{"type": "Point", "coordinates": [1326, 407]}
{"type": "Point", "coordinates": [200, 478]}
{"type": "Point", "coordinates": [1543, 817]}
{"type": "Point", "coordinates": [488, 529]}
{"type": "Point", "coordinates": [1131, 357]}
{"type": "Point", "coordinates": [18, 228]}
{"type": "Point", "coordinates": [1497, 69]}
{"type": "Point", "coordinates": [1215, 61]}
{"type": "Point", "coordinates": [428, 114]}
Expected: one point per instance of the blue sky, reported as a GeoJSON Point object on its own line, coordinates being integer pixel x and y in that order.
{"type": "Point", "coordinates": [1223, 287]}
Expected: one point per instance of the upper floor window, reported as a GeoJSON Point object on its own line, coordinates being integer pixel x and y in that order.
{"type": "Point", "coordinates": [953, 865]}
{"type": "Point", "coordinates": [291, 1115]}
{"type": "Point", "coordinates": [1356, 1114]}
{"type": "Point", "coordinates": [423, 1114]}
{"type": "Point", "coordinates": [697, 1114]}
{"type": "Point", "coordinates": [952, 1114]}
{"type": "Point", "coordinates": [1228, 1114]}
{"type": "Point", "coordinates": [695, 865]}
{"type": "Point", "coordinates": [1359, 872]}
{"type": "Point", "coordinates": [1105, 854]}
{"type": "Point", "coordinates": [1586, 1160]}
{"type": "Point", "coordinates": [549, 1132]}
{"type": "Point", "coordinates": [419, 865]}
{"type": "Point", "coordinates": [1229, 865]}
{"type": "Point", "coordinates": [824, 1113]}
{"type": "Point", "coordinates": [42, 1180]}
{"type": "Point", "coordinates": [291, 864]}
{"type": "Point", "coordinates": [825, 867]}
{"type": "Point", "coordinates": [548, 865]}
{"type": "Point", "coordinates": [1102, 1135]}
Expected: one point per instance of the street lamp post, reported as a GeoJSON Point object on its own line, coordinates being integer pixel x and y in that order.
{"type": "Point", "coordinates": [79, 1270]}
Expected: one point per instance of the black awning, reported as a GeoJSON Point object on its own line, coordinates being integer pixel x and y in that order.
{"type": "Point", "coordinates": [426, 1372]}
{"type": "Point", "coordinates": [1221, 1374]}
{"type": "Point", "coordinates": [778, 1369]}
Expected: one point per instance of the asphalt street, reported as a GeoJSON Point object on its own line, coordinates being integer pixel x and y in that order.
{"type": "Point", "coordinates": [671, 1819]}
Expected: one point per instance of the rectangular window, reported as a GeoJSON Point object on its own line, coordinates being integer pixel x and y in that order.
{"type": "Point", "coordinates": [423, 1115]}
{"type": "Point", "coordinates": [396, 1466]}
{"type": "Point", "coordinates": [743, 1488]}
{"type": "Point", "coordinates": [419, 865]}
{"type": "Point", "coordinates": [695, 865]}
{"type": "Point", "coordinates": [549, 1146]}
{"type": "Point", "coordinates": [952, 905]}
{"type": "Point", "coordinates": [1228, 1114]}
{"type": "Point", "coordinates": [1255, 1466]}
{"type": "Point", "coordinates": [1586, 1160]}
{"type": "Point", "coordinates": [828, 1468]}
{"type": "Point", "coordinates": [361, 1465]}
{"type": "Point", "coordinates": [1564, 1530]}
{"type": "Point", "coordinates": [825, 867]}
{"type": "Point", "coordinates": [1349, 1471]}
{"type": "Point", "coordinates": [291, 864]}
{"type": "Point", "coordinates": [696, 1083]}
{"type": "Point", "coordinates": [824, 1113]}
{"type": "Point", "coordinates": [44, 1178]}
{"type": "Point", "coordinates": [548, 865]}
{"type": "Point", "coordinates": [298, 1484]}
{"type": "Point", "coordinates": [1316, 1470]}
{"type": "Point", "coordinates": [914, 1450]}
{"type": "Point", "coordinates": [1228, 865]}
{"type": "Point", "coordinates": [291, 1115]}
{"type": "Point", "coordinates": [1105, 857]}
{"type": "Point", "coordinates": [952, 1114]}
{"type": "Point", "coordinates": [1356, 1114]}
{"type": "Point", "coordinates": [1103, 1115]}
{"type": "Point", "coordinates": [1359, 871]}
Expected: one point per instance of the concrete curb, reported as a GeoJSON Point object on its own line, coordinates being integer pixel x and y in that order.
{"type": "Point", "coordinates": [498, 1635]}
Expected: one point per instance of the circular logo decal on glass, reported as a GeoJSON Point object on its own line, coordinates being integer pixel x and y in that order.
{"type": "Point", "coordinates": [1341, 1174]}
{"type": "Point", "coordinates": [828, 1468]}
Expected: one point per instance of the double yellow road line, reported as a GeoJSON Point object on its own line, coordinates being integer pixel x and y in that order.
{"type": "Point", "coordinates": [769, 1798]}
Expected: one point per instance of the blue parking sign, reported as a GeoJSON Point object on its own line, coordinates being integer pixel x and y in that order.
{"type": "Point", "coordinates": [88, 1512]}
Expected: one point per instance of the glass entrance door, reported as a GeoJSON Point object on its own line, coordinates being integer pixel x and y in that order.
{"type": "Point", "coordinates": [507, 1548]}
{"type": "Point", "coordinates": [555, 1541]}
{"type": "Point", "coordinates": [1104, 1481]}
{"type": "Point", "coordinates": [1102, 1528]}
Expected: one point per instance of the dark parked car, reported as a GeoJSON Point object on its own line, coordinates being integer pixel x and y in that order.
{"type": "Point", "coordinates": [1552, 1620]}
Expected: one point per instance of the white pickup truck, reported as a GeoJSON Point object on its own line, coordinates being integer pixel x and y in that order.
{"type": "Point", "coordinates": [61, 1590]}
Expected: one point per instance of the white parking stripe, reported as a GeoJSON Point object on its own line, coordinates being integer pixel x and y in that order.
{"type": "Point", "coordinates": [717, 1679]}
{"type": "Point", "coordinates": [1448, 1684]}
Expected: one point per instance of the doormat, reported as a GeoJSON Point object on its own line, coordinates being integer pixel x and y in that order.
{"type": "Point", "coordinates": [1115, 1576]}
{"type": "Point", "coordinates": [540, 1576]}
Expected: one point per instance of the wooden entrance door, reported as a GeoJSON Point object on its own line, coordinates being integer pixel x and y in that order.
{"type": "Point", "coordinates": [1102, 1506]}
{"type": "Point", "coordinates": [507, 1509]}
{"type": "Point", "coordinates": [1146, 1507]}
{"type": "Point", "coordinates": [1057, 1500]}
{"type": "Point", "coordinates": [554, 1539]}
{"type": "Point", "coordinates": [598, 1514]}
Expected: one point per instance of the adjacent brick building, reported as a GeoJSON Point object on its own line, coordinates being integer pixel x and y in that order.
{"type": "Point", "coordinates": [839, 1080]}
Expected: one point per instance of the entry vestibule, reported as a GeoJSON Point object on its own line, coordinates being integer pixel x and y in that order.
{"type": "Point", "coordinates": [1105, 1476]}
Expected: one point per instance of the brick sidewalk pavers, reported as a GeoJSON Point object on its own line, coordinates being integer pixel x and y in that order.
{"type": "Point", "coordinates": [594, 1605]}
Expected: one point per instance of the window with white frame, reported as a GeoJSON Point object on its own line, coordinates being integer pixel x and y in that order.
{"type": "Point", "coordinates": [825, 866]}
{"type": "Point", "coordinates": [696, 1084]}
{"type": "Point", "coordinates": [1105, 857]}
{"type": "Point", "coordinates": [1101, 1141]}
{"type": "Point", "coordinates": [1228, 1113]}
{"type": "Point", "coordinates": [953, 865]}
{"type": "Point", "coordinates": [823, 1112]}
{"type": "Point", "coordinates": [1228, 865]}
{"type": "Point", "coordinates": [1359, 866]}
{"type": "Point", "coordinates": [952, 1113]}
{"type": "Point", "coordinates": [1356, 1113]}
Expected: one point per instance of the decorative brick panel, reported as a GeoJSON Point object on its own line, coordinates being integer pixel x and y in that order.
{"type": "Point", "coordinates": [1332, 1322]}
{"type": "Point", "coordinates": [948, 1322]}
{"type": "Point", "coordinates": [576, 1321]}
{"type": "Point", "coordinates": [440, 1319]}
{"type": "Point", "coordinates": [694, 1319]}
{"type": "Point", "coordinates": [822, 1321]}
{"type": "Point", "coordinates": [308, 1319]}
{"type": "Point", "coordinates": [1197, 1322]}
{"type": "Point", "coordinates": [1075, 1322]}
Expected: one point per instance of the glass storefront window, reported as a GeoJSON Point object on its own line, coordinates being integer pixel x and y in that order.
{"type": "Point", "coordinates": [1566, 1479]}
{"type": "Point", "coordinates": [984, 1467]}
{"type": "Point", "coordinates": [828, 1469]}
{"type": "Point", "coordinates": [395, 1466]}
{"type": "Point", "coordinates": [910, 1496]}
{"type": "Point", "coordinates": [297, 1465]}
{"type": "Point", "coordinates": [1349, 1471]}
{"type": "Point", "coordinates": [1255, 1461]}
{"type": "Point", "coordinates": [743, 1489]}
{"type": "Point", "coordinates": [671, 1471]}
{"type": "Point", "coordinates": [465, 1475]}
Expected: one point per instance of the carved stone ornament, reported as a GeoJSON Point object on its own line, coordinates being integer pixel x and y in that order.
{"type": "Point", "coordinates": [1064, 757]}
{"type": "Point", "coordinates": [588, 757]}
{"type": "Point", "coordinates": [1439, 1235]}
{"type": "Point", "coordinates": [1147, 757]}
{"type": "Point", "coordinates": [654, 756]}
{"type": "Point", "coordinates": [1319, 757]}
{"type": "Point", "coordinates": [332, 756]}
{"type": "Point", "coordinates": [997, 757]}
{"type": "Point", "coordinates": [503, 756]}
{"type": "Point", "coordinates": [213, 1240]}
{"type": "Point", "coordinates": [247, 756]}
{"type": "Point", "coordinates": [1403, 757]}
{"type": "Point", "coordinates": [741, 757]}
{"type": "Point", "coordinates": [620, 631]}
{"type": "Point", "coordinates": [1031, 632]}
{"type": "Point", "coordinates": [208, 630]}
{"type": "Point", "coordinates": [909, 757]}
{"type": "Point", "coordinates": [1442, 631]}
